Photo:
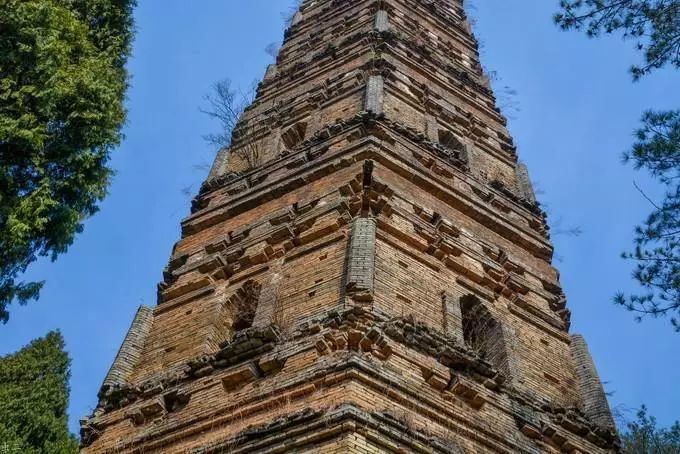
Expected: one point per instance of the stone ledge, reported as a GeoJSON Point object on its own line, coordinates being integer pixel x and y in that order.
{"type": "Point", "coordinates": [309, 427]}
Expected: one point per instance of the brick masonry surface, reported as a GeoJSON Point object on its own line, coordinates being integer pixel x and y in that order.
{"type": "Point", "coordinates": [365, 270]}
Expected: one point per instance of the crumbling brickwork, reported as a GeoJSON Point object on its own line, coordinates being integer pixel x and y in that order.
{"type": "Point", "coordinates": [130, 352]}
{"type": "Point", "coordinates": [378, 280]}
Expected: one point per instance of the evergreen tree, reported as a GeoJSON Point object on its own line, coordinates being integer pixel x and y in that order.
{"type": "Point", "coordinates": [657, 241]}
{"type": "Point", "coordinates": [34, 398]}
{"type": "Point", "coordinates": [62, 87]}
{"type": "Point", "coordinates": [655, 25]}
{"type": "Point", "coordinates": [644, 437]}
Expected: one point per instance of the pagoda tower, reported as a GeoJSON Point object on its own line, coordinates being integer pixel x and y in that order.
{"type": "Point", "coordinates": [366, 268]}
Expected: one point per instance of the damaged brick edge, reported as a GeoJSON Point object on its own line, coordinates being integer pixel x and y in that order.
{"type": "Point", "coordinates": [328, 424]}
{"type": "Point", "coordinates": [373, 326]}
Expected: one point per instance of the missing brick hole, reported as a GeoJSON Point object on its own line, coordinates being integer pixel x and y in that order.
{"type": "Point", "coordinates": [402, 264]}
{"type": "Point", "coordinates": [404, 299]}
{"type": "Point", "coordinates": [312, 293]}
{"type": "Point", "coordinates": [318, 281]}
{"type": "Point", "coordinates": [169, 349]}
{"type": "Point", "coordinates": [189, 312]}
{"type": "Point", "coordinates": [551, 378]}
{"type": "Point", "coordinates": [368, 174]}
{"type": "Point", "coordinates": [545, 342]}
{"type": "Point", "coordinates": [323, 257]}
{"type": "Point", "coordinates": [174, 401]}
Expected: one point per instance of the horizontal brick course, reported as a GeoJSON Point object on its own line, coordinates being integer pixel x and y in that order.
{"type": "Point", "coordinates": [380, 282]}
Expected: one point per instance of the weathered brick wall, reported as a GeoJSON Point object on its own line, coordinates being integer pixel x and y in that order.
{"type": "Point", "coordinates": [380, 281]}
{"type": "Point", "coordinates": [130, 352]}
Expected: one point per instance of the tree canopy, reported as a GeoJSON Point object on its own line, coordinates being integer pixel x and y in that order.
{"type": "Point", "coordinates": [654, 24]}
{"type": "Point", "coordinates": [62, 88]}
{"type": "Point", "coordinates": [642, 436]}
{"type": "Point", "coordinates": [34, 398]}
{"type": "Point", "coordinates": [657, 240]}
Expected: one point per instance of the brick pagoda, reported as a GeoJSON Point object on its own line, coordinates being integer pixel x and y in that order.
{"type": "Point", "coordinates": [366, 268]}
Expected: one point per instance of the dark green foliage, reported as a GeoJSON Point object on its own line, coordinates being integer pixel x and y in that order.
{"type": "Point", "coordinates": [34, 398]}
{"type": "Point", "coordinates": [62, 87]}
{"type": "Point", "coordinates": [654, 24]}
{"type": "Point", "coordinates": [657, 241]}
{"type": "Point", "coordinates": [643, 437]}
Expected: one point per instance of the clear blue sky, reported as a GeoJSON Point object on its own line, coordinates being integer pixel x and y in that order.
{"type": "Point", "coordinates": [578, 110]}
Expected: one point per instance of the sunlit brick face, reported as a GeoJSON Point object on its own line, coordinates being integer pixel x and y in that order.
{"type": "Point", "coordinates": [376, 276]}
